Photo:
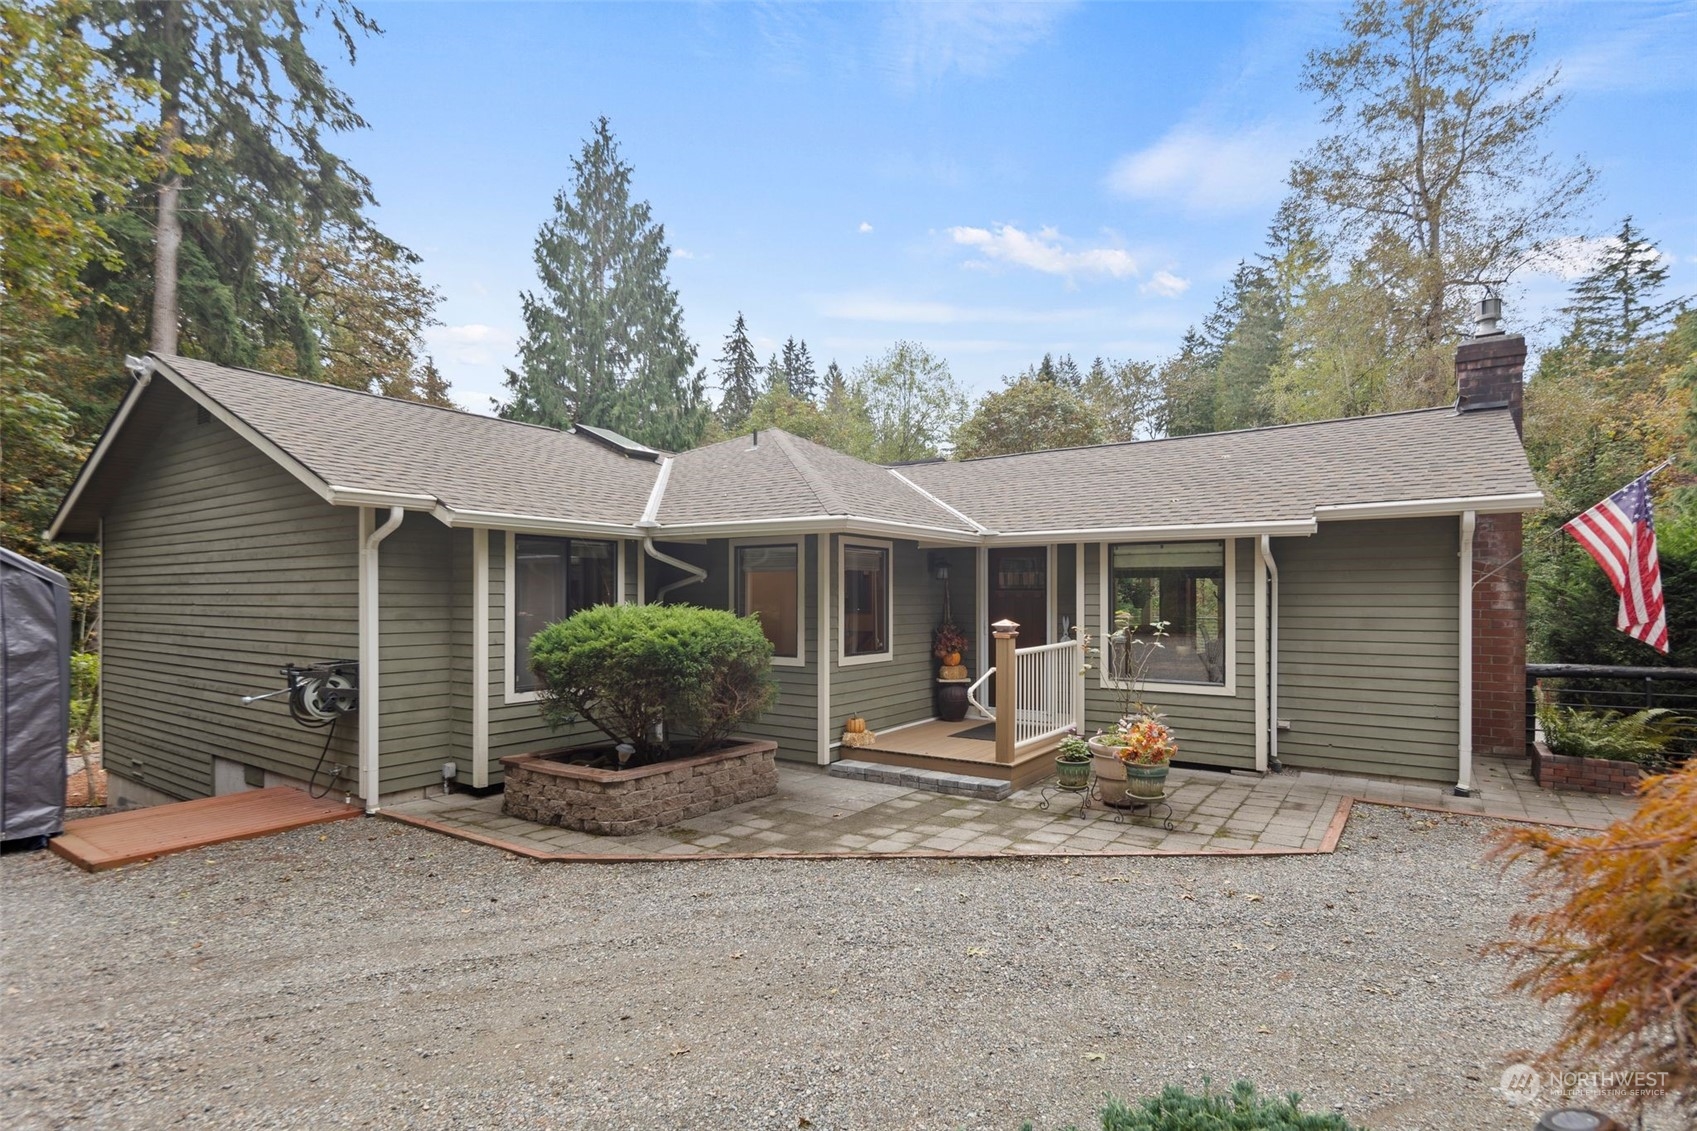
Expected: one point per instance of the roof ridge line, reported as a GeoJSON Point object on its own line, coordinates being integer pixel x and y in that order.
{"type": "Point", "coordinates": [822, 490]}
{"type": "Point", "coordinates": [455, 409]}
{"type": "Point", "coordinates": [1206, 435]}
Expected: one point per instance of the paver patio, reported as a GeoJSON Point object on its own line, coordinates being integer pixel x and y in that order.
{"type": "Point", "coordinates": [814, 814]}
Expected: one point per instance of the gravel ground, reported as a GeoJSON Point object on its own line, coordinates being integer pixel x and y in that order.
{"type": "Point", "coordinates": [374, 975]}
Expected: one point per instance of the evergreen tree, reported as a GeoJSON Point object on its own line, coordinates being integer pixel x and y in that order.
{"type": "Point", "coordinates": [1249, 352]}
{"type": "Point", "coordinates": [1188, 388]}
{"type": "Point", "coordinates": [776, 379]}
{"type": "Point", "coordinates": [243, 111]}
{"type": "Point", "coordinates": [739, 377]}
{"type": "Point", "coordinates": [1615, 304]}
{"type": "Point", "coordinates": [604, 341]}
{"type": "Point", "coordinates": [836, 387]}
{"type": "Point", "coordinates": [799, 373]}
{"type": "Point", "coordinates": [1125, 396]}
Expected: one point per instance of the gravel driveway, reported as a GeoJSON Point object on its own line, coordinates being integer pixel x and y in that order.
{"type": "Point", "coordinates": [373, 975]}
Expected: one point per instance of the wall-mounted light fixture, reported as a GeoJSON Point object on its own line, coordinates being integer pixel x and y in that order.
{"type": "Point", "coordinates": [939, 565]}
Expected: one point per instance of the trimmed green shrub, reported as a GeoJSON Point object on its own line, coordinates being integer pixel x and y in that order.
{"type": "Point", "coordinates": [643, 674]}
{"type": "Point", "coordinates": [1241, 1109]}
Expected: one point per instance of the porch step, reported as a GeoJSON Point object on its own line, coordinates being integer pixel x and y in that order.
{"type": "Point", "coordinates": [934, 781]}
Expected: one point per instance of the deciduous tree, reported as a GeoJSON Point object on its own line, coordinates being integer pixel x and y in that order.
{"type": "Point", "coordinates": [912, 401]}
{"type": "Point", "coordinates": [1434, 172]}
{"type": "Point", "coordinates": [1028, 415]}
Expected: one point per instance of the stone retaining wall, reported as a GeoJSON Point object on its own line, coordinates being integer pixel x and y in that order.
{"type": "Point", "coordinates": [1586, 775]}
{"type": "Point", "coordinates": [626, 802]}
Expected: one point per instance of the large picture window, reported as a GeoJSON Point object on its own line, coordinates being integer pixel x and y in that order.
{"type": "Point", "coordinates": [866, 602]}
{"type": "Point", "coordinates": [768, 585]}
{"type": "Point", "coordinates": [1182, 584]}
{"type": "Point", "coordinates": [552, 579]}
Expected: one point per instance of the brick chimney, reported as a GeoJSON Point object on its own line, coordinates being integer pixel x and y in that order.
{"type": "Point", "coordinates": [1490, 365]}
{"type": "Point", "coordinates": [1488, 369]}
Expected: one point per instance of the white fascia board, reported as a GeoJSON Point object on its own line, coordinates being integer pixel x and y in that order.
{"type": "Point", "coordinates": [1284, 528]}
{"type": "Point", "coordinates": [817, 524]}
{"type": "Point", "coordinates": [531, 524]}
{"type": "Point", "coordinates": [107, 439]}
{"type": "Point", "coordinates": [1433, 508]}
{"type": "Point", "coordinates": [363, 497]}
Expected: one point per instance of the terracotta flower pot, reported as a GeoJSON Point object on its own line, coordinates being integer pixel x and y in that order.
{"type": "Point", "coordinates": [1110, 773]}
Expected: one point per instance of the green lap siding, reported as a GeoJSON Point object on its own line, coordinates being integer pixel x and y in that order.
{"type": "Point", "coordinates": [900, 690]}
{"type": "Point", "coordinates": [1212, 729]}
{"type": "Point", "coordinates": [416, 565]}
{"type": "Point", "coordinates": [219, 568]}
{"type": "Point", "coordinates": [1368, 640]}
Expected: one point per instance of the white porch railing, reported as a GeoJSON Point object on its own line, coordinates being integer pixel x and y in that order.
{"type": "Point", "coordinates": [1045, 683]}
{"type": "Point", "coordinates": [1048, 693]}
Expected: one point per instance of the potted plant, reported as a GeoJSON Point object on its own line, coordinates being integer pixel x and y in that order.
{"type": "Point", "coordinates": [1072, 763]}
{"type": "Point", "coordinates": [949, 644]}
{"type": "Point", "coordinates": [1133, 756]}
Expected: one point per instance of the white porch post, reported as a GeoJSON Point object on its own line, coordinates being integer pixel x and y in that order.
{"type": "Point", "coordinates": [1464, 748]}
{"type": "Point", "coordinates": [479, 657]}
{"type": "Point", "coordinates": [1261, 649]}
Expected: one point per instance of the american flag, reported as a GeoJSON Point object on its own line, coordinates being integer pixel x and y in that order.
{"type": "Point", "coordinates": [1620, 532]}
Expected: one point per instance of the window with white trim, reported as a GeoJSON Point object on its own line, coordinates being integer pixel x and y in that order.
{"type": "Point", "coordinates": [865, 601]}
{"type": "Point", "coordinates": [768, 586]}
{"type": "Point", "coordinates": [552, 579]}
{"type": "Point", "coordinates": [1182, 584]}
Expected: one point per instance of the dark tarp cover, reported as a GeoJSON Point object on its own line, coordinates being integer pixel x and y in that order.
{"type": "Point", "coordinates": [35, 697]}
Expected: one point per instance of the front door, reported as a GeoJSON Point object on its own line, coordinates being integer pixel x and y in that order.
{"type": "Point", "coordinates": [1018, 591]}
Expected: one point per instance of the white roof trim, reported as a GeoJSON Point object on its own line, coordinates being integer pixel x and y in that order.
{"type": "Point", "coordinates": [815, 524]}
{"type": "Point", "coordinates": [1433, 508]}
{"type": "Point", "coordinates": [1178, 531]}
{"type": "Point", "coordinates": [365, 497]}
{"type": "Point", "coordinates": [962, 515]}
{"type": "Point", "coordinates": [107, 438]}
{"type": "Point", "coordinates": [532, 524]}
{"type": "Point", "coordinates": [651, 512]}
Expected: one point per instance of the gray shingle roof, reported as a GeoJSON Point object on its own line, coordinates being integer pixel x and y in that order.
{"type": "Point", "coordinates": [472, 463]}
{"type": "Point", "coordinates": [1257, 475]}
{"type": "Point", "coordinates": [786, 477]}
{"type": "Point", "coordinates": [468, 462]}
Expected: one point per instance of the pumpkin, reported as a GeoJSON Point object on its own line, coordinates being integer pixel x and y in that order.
{"type": "Point", "coordinates": [952, 671]}
{"type": "Point", "coordinates": [952, 660]}
{"type": "Point", "coordinates": [855, 725]}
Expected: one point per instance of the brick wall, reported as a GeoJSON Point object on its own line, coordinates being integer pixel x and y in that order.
{"type": "Point", "coordinates": [1489, 375]}
{"type": "Point", "coordinates": [1499, 637]}
{"type": "Point", "coordinates": [1584, 775]}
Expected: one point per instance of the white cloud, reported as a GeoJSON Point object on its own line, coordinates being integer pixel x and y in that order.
{"type": "Point", "coordinates": [881, 308]}
{"type": "Point", "coordinates": [1166, 284]}
{"type": "Point", "coordinates": [923, 41]}
{"type": "Point", "coordinates": [864, 227]}
{"type": "Point", "coordinates": [1207, 171]}
{"type": "Point", "coordinates": [460, 335]}
{"type": "Point", "coordinates": [1045, 250]}
{"type": "Point", "coordinates": [682, 253]}
{"type": "Point", "coordinates": [1573, 257]}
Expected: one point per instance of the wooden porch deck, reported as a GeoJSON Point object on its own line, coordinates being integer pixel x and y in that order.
{"type": "Point", "coordinates": [966, 747]}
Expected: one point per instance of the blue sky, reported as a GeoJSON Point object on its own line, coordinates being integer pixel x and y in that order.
{"type": "Point", "coordinates": [993, 180]}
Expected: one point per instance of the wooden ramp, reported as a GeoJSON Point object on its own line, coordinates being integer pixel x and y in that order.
{"type": "Point", "coordinates": [112, 839]}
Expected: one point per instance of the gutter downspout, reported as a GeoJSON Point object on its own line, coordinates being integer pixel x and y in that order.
{"type": "Point", "coordinates": [1273, 657]}
{"type": "Point", "coordinates": [370, 702]}
{"type": "Point", "coordinates": [1464, 783]}
{"type": "Point", "coordinates": [650, 522]}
